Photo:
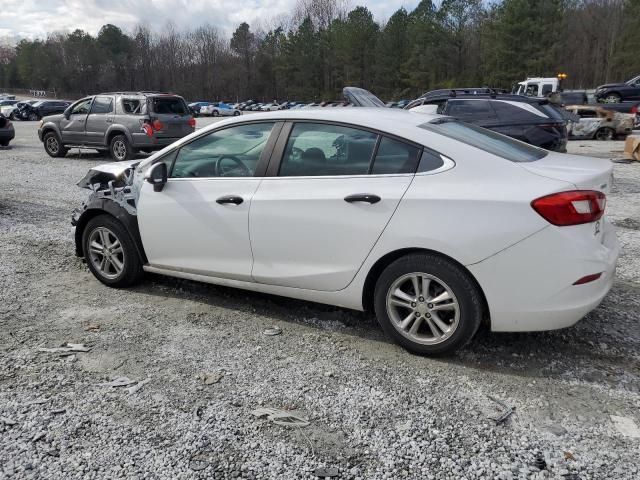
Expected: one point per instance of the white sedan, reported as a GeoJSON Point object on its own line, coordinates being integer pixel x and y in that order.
{"type": "Point", "coordinates": [436, 225]}
{"type": "Point", "coordinates": [218, 110]}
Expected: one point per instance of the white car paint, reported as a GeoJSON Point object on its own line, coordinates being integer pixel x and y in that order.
{"type": "Point", "coordinates": [295, 237]}
{"type": "Point", "coordinates": [213, 110]}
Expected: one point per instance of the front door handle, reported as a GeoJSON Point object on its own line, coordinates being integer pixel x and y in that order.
{"type": "Point", "coordinates": [362, 197]}
{"type": "Point", "coordinates": [230, 199]}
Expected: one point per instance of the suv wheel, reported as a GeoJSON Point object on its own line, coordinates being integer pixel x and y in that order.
{"type": "Point", "coordinates": [53, 146]}
{"type": "Point", "coordinates": [428, 304]}
{"type": "Point", "coordinates": [33, 117]}
{"type": "Point", "coordinates": [120, 148]}
{"type": "Point", "coordinates": [110, 252]}
{"type": "Point", "coordinates": [215, 113]}
{"type": "Point", "coordinates": [236, 113]}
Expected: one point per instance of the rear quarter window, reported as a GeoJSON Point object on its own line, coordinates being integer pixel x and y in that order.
{"type": "Point", "coordinates": [486, 140]}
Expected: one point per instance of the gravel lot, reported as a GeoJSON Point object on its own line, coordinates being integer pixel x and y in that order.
{"type": "Point", "coordinates": [375, 411]}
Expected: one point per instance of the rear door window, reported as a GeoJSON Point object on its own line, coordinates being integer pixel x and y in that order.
{"type": "Point", "coordinates": [168, 106]}
{"type": "Point", "coordinates": [509, 113]}
{"type": "Point", "coordinates": [394, 157]}
{"type": "Point", "coordinates": [102, 105]}
{"type": "Point", "coordinates": [317, 149]}
{"type": "Point", "coordinates": [487, 140]}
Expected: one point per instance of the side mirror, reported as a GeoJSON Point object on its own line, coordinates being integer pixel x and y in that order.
{"type": "Point", "coordinates": [67, 113]}
{"type": "Point", "coordinates": [157, 176]}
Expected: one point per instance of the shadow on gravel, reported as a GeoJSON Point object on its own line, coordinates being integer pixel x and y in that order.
{"type": "Point", "coordinates": [600, 348]}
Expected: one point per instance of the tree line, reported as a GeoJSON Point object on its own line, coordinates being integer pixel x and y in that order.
{"type": "Point", "coordinates": [324, 45]}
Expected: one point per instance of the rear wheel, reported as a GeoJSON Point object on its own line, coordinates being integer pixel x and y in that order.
{"type": "Point", "coordinates": [110, 252]}
{"type": "Point", "coordinates": [4, 144]}
{"type": "Point", "coordinates": [605, 134]}
{"type": "Point", "coordinates": [53, 145]}
{"type": "Point", "coordinates": [215, 113]}
{"type": "Point", "coordinates": [236, 113]}
{"type": "Point", "coordinates": [428, 304]}
{"type": "Point", "coordinates": [33, 117]}
{"type": "Point", "coordinates": [120, 148]}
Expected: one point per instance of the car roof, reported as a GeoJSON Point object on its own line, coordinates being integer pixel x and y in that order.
{"type": "Point", "coordinates": [376, 118]}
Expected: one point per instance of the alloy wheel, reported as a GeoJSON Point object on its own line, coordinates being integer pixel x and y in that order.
{"type": "Point", "coordinates": [52, 145]}
{"type": "Point", "coordinates": [119, 149]}
{"type": "Point", "coordinates": [106, 253]}
{"type": "Point", "coordinates": [423, 308]}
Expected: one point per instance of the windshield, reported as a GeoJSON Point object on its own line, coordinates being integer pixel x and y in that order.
{"type": "Point", "coordinates": [487, 140]}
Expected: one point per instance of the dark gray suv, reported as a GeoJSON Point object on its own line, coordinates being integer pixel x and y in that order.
{"type": "Point", "coordinates": [122, 122]}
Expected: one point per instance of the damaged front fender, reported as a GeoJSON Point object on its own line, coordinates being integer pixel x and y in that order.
{"type": "Point", "coordinates": [115, 190]}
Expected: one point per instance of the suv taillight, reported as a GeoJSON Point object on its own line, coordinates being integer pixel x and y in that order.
{"type": "Point", "coordinates": [192, 122]}
{"type": "Point", "coordinates": [634, 109]}
{"type": "Point", "coordinates": [571, 208]}
{"type": "Point", "coordinates": [157, 125]}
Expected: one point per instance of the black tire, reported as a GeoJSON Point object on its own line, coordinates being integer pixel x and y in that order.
{"type": "Point", "coordinates": [464, 288]}
{"type": "Point", "coordinates": [12, 116]}
{"type": "Point", "coordinates": [120, 148]}
{"type": "Point", "coordinates": [236, 113]}
{"type": "Point", "coordinates": [33, 117]}
{"type": "Point", "coordinates": [53, 145]}
{"type": "Point", "coordinates": [215, 113]}
{"type": "Point", "coordinates": [131, 272]}
{"type": "Point", "coordinates": [605, 133]}
{"type": "Point", "coordinates": [4, 144]}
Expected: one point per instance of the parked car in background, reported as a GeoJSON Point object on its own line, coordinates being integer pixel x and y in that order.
{"type": "Point", "coordinates": [219, 109]}
{"type": "Point", "coordinates": [7, 132]}
{"type": "Point", "coordinates": [196, 106]}
{"type": "Point", "coordinates": [40, 109]}
{"type": "Point", "coordinates": [121, 122]}
{"type": "Point", "coordinates": [271, 107]}
{"type": "Point", "coordinates": [11, 111]}
{"type": "Point", "coordinates": [7, 106]}
{"type": "Point", "coordinates": [617, 92]}
{"type": "Point", "coordinates": [7, 96]}
{"type": "Point", "coordinates": [516, 236]}
{"type": "Point", "coordinates": [631, 108]}
{"type": "Point", "coordinates": [599, 123]}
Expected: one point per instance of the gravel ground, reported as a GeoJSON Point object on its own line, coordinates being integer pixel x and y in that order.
{"type": "Point", "coordinates": [375, 411]}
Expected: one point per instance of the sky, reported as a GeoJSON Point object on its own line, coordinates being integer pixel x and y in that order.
{"type": "Point", "coordinates": [35, 18]}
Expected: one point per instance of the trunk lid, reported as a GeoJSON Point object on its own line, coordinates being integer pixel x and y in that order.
{"type": "Point", "coordinates": [585, 173]}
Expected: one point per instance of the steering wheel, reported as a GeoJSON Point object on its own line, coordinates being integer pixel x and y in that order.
{"type": "Point", "coordinates": [241, 168]}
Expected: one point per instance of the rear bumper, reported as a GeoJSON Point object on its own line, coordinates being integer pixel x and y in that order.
{"type": "Point", "coordinates": [529, 286]}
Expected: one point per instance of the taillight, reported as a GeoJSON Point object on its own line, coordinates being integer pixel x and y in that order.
{"type": "Point", "coordinates": [192, 122]}
{"type": "Point", "coordinates": [634, 109]}
{"type": "Point", "coordinates": [157, 125]}
{"type": "Point", "coordinates": [571, 208]}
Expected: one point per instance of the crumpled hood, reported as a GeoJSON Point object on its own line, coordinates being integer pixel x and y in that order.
{"type": "Point", "coordinates": [103, 174]}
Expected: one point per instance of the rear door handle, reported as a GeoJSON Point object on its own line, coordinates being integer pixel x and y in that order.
{"type": "Point", "coordinates": [362, 197]}
{"type": "Point", "coordinates": [230, 199]}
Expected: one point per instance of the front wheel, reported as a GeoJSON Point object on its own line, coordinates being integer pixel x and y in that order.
{"type": "Point", "coordinates": [53, 146]}
{"type": "Point", "coordinates": [33, 117]}
{"type": "Point", "coordinates": [215, 113]}
{"type": "Point", "coordinates": [110, 252]}
{"type": "Point", "coordinates": [612, 98]}
{"type": "Point", "coordinates": [605, 134]}
{"type": "Point", "coordinates": [120, 148]}
{"type": "Point", "coordinates": [428, 304]}
{"type": "Point", "coordinates": [236, 113]}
